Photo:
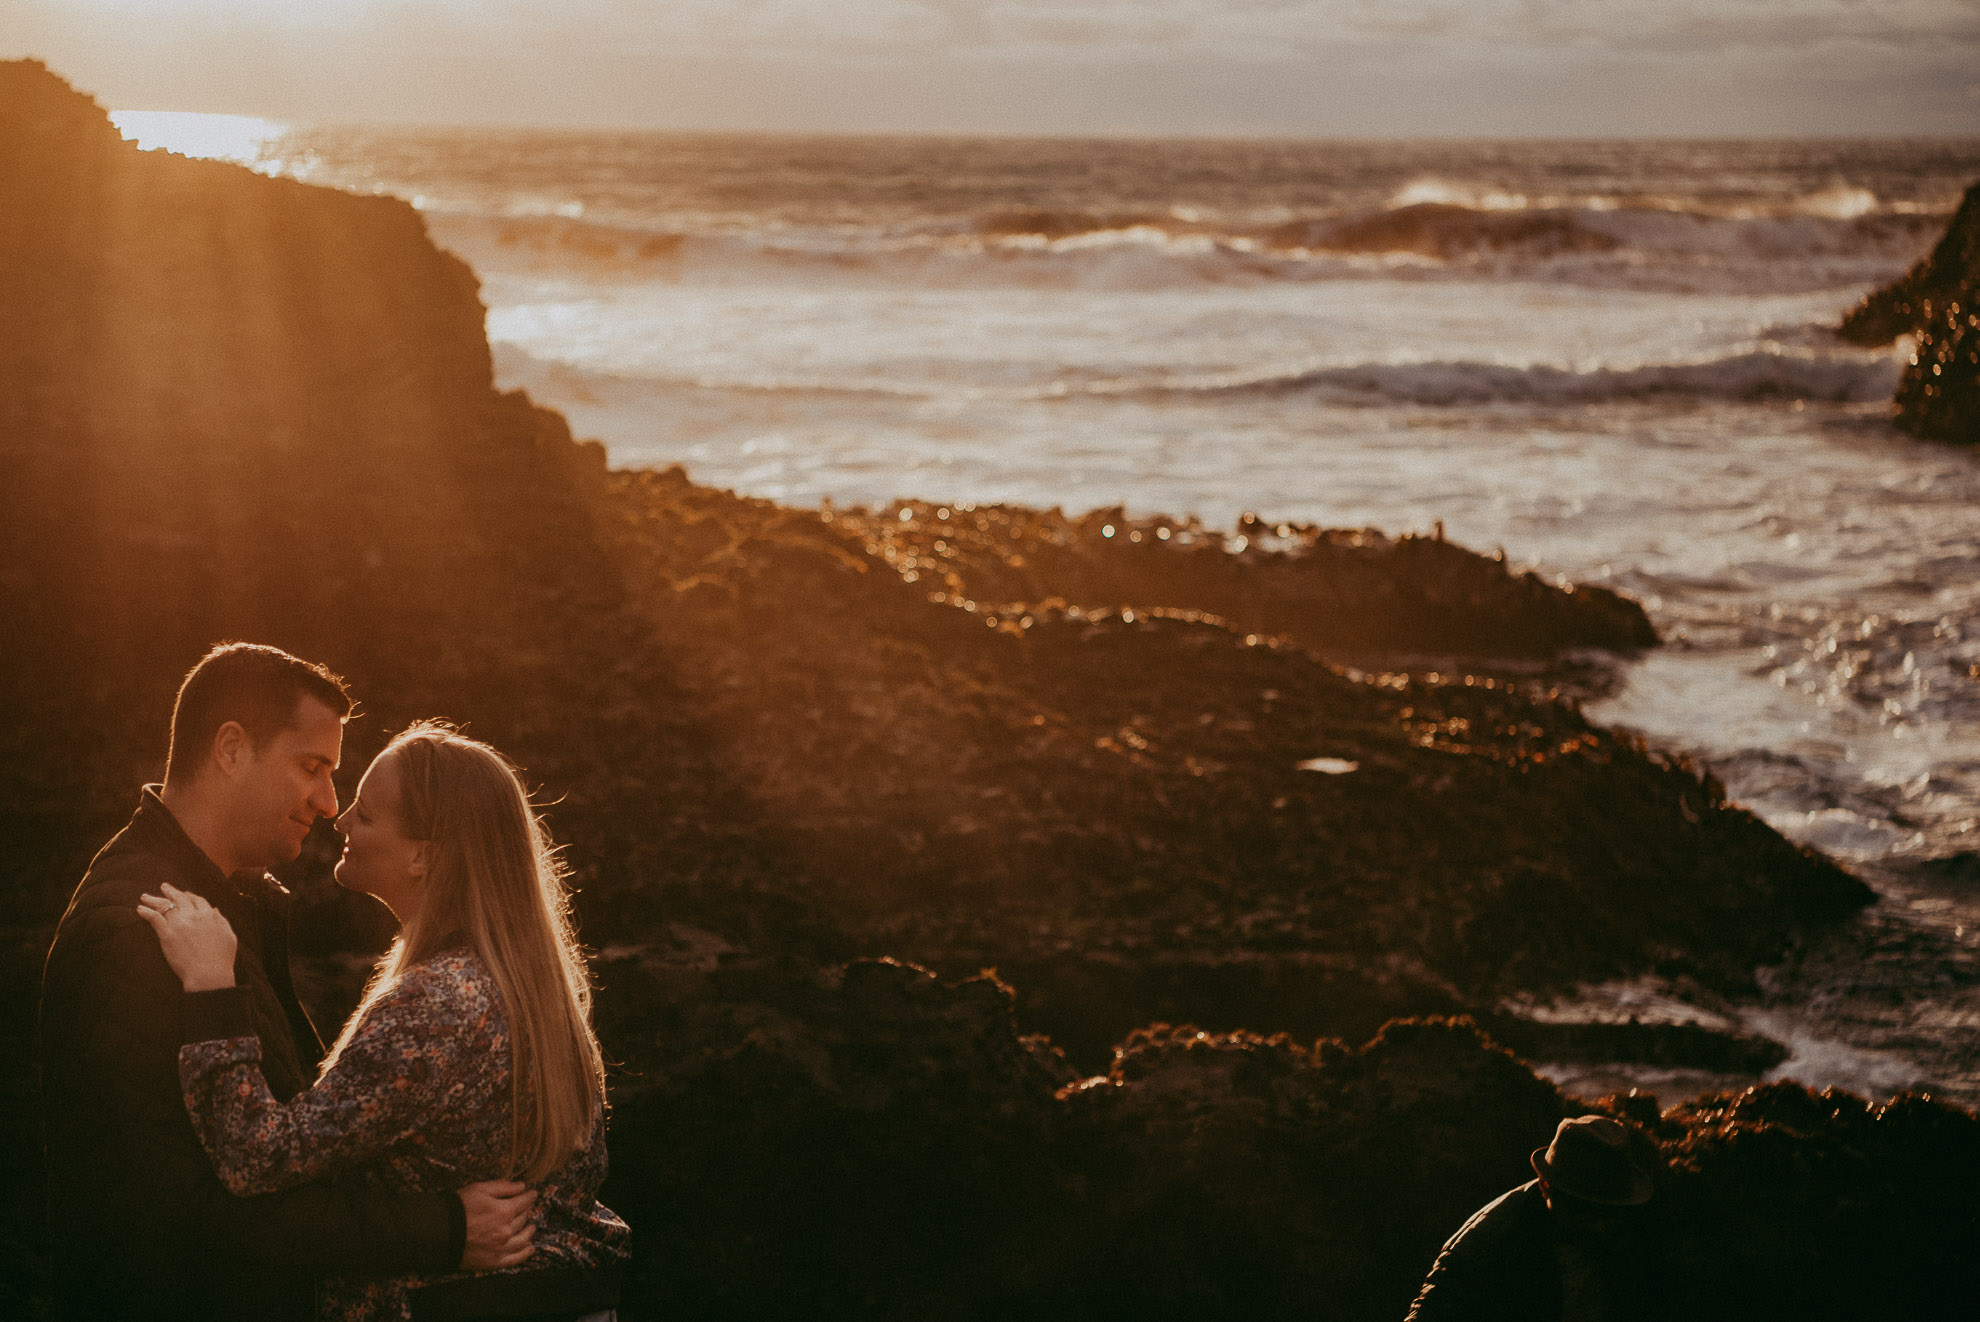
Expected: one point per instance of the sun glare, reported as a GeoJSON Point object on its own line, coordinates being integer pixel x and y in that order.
{"type": "Point", "coordinates": [241, 138]}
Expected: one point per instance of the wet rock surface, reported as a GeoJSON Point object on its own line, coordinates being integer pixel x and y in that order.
{"type": "Point", "coordinates": [1939, 302]}
{"type": "Point", "coordinates": [1128, 780]}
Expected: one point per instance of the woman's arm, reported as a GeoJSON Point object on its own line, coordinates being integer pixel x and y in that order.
{"type": "Point", "coordinates": [428, 1047]}
{"type": "Point", "coordinates": [199, 945]}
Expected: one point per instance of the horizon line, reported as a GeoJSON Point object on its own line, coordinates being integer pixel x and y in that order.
{"type": "Point", "coordinates": [505, 126]}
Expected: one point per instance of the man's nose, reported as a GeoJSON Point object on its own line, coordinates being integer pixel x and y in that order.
{"type": "Point", "coordinates": [324, 799]}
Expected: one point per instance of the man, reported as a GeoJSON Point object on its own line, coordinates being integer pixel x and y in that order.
{"type": "Point", "coordinates": [1568, 1244]}
{"type": "Point", "coordinates": [140, 1225]}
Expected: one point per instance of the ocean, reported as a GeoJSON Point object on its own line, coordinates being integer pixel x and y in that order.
{"type": "Point", "coordinates": [1609, 359]}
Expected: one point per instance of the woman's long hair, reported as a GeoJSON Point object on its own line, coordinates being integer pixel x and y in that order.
{"type": "Point", "coordinates": [494, 878]}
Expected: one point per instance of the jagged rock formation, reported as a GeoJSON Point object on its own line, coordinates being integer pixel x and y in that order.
{"type": "Point", "coordinates": [1110, 806]}
{"type": "Point", "coordinates": [1901, 307]}
{"type": "Point", "coordinates": [872, 1142]}
{"type": "Point", "coordinates": [239, 406]}
{"type": "Point", "coordinates": [1340, 592]}
{"type": "Point", "coordinates": [1938, 300]}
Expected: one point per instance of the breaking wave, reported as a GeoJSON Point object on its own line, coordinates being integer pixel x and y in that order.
{"type": "Point", "coordinates": [1757, 376]}
{"type": "Point", "coordinates": [1639, 248]}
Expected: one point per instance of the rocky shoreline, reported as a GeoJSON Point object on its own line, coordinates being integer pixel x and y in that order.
{"type": "Point", "coordinates": [1140, 812]}
{"type": "Point", "coordinates": [1295, 788]}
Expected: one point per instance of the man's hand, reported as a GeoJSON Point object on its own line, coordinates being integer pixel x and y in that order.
{"type": "Point", "coordinates": [498, 1225]}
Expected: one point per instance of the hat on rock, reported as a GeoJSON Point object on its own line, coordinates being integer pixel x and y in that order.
{"type": "Point", "coordinates": [1589, 1160]}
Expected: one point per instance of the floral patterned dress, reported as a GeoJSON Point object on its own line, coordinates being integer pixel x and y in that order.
{"type": "Point", "coordinates": [418, 1101]}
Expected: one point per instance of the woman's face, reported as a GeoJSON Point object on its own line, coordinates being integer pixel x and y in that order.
{"type": "Point", "coordinates": [379, 858]}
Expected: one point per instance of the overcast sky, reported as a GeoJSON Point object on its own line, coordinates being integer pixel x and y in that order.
{"type": "Point", "coordinates": [1271, 67]}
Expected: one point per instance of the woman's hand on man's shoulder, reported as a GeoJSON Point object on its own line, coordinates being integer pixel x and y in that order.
{"type": "Point", "coordinates": [198, 941]}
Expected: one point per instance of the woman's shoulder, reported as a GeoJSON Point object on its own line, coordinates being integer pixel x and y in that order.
{"type": "Point", "coordinates": [451, 983]}
{"type": "Point", "coordinates": [455, 960]}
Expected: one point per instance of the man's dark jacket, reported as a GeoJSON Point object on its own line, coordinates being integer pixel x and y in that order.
{"type": "Point", "coordinates": [140, 1226]}
{"type": "Point", "coordinates": [1499, 1265]}
{"type": "Point", "coordinates": [1503, 1266]}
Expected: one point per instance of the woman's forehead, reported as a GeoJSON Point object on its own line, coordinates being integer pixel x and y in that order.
{"type": "Point", "coordinates": [381, 778]}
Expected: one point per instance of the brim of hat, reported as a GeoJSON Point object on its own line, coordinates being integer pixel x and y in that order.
{"type": "Point", "coordinates": [1640, 1186]}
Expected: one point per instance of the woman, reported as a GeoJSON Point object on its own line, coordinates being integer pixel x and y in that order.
{"type": "Point", "coordinates": [470, 1057]}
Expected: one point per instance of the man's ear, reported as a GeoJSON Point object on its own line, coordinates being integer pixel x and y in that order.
{"type": "Point", "coordinates": [418, 867]}
{"type": "Point", "coordinates": [232, 748]}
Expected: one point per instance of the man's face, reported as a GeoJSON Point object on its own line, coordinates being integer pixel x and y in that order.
{"type": "Point", "coordinates": [282, 787]}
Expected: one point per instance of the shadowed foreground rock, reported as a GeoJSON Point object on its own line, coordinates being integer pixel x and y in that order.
{"type": "Point", "coordinates": [233, 406]}
{"type": "Point", "coordinates": [1938, 300]}
{"type": "Point", "coordinates": [1785, 1203]}
{"type": "Point", "coordinates": [876, 1143]}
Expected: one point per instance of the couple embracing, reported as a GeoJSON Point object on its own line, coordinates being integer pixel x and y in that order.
{"type": "Point", "coordinates": [207, 1158]}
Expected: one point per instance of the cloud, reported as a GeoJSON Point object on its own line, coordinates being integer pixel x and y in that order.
{"type": "Point", "coordinates": [1080, 29]}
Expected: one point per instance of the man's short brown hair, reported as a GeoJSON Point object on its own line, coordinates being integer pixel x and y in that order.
{"type": "Point", "coordinates": [251, 683]}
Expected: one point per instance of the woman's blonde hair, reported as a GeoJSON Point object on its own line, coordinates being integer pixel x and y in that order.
{"type": "Point", "coordinates": [494, 879]}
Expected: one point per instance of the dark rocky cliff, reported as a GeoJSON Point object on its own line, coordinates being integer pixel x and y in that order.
{"type": "Point", "coordinates": [778, 740]}
{"type": "Point", "coordinates": [1938, 300]}
{"type": "Point", "coordinates": [238, 406]}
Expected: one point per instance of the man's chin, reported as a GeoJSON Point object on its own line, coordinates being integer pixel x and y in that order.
{"type": "Point", "coordinates": [276, 856]}
{"type": "Point", "coordinates": [290, 850]}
